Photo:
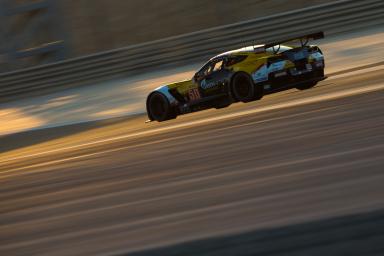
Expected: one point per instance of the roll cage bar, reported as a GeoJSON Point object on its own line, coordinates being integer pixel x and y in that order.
{"type": "Point", "coordinates": [304, 39]}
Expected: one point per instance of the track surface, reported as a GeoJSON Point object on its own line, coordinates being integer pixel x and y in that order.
{"type": "Point", "coordinates": [289, 159]}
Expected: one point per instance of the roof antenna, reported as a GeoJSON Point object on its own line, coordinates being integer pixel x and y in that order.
{"type": "Point", "coordinates": [304, 43]}
{"type": "Point", "coordinates": [278, 49]}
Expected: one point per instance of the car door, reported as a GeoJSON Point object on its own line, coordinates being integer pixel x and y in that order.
{"type": "Point", "coordinates": [215, 78]}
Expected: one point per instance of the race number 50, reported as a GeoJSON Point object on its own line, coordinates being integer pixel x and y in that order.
{"type": "Point", "coordinates": [194, 94]}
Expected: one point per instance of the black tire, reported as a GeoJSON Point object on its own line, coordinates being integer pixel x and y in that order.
{"type": "Point", "coordinates": [243, 88]}
{"type": "Point", "coordinates": [306, 86]}
{"type": "Point", "coordinates": [158, 108]}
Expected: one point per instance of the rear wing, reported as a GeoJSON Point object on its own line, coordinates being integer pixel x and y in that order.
{"type": "Point", "coordinates": [303, 39]}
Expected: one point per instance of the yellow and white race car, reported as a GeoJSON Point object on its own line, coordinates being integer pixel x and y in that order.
{"type": "Point", "coordinates": [241, 75]}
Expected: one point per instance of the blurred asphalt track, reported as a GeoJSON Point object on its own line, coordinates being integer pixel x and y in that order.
{"type": "Point", "coordinates": [297, 173]}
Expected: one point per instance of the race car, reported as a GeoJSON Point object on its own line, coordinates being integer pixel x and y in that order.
{"type": "Point", "coordinates": [242, 75]}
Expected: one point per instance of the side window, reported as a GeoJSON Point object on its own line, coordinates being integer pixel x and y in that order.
{"type": "Point", "coordinates": [212, 67]}
{"type": "Point", "coordinates": [209, 68]}
{"type": "Point", "coordinates": [218, 65]}
{"type": "Point", "coordinates": [206, 69]}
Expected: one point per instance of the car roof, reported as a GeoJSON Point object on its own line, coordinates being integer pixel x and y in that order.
{"type": "Point", "coordinates": [252, 49]}
{"type": "Point", "coordinates": [248, 49]}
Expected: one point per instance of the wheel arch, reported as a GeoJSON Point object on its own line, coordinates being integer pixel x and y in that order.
{"type": "Point", "coordinates": [231, 81]}
{"type": "Point", "coordinates": [258, 90]}
{"type": "Point", "coordinates": [171, 112]}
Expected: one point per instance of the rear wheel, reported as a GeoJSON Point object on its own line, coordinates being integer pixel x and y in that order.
{"type": "Point", "coordinates": [158, 108]}
{"type": "Point", "coordinates": [243, 88]}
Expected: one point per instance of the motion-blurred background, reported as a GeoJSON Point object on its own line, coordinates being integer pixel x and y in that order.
{"type": "Point", "coordinates": [63, 29]}
{"type": "Point", "coordinates": [296, 173]}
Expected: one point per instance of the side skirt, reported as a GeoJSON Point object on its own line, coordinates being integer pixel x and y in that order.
{"type": "Point", "coordinates": [204, 103]}
{"type": "Point", "coordinates": [293, 85]}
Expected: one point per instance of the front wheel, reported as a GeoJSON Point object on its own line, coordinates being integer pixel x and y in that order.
{"type": "Point", "coordinates": [158, 108]}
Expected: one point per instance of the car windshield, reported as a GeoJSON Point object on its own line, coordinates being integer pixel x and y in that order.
{"type": "Point", "coordinates": [210, 67]}
{"type": "Point", "coordinates": [218, 65]}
